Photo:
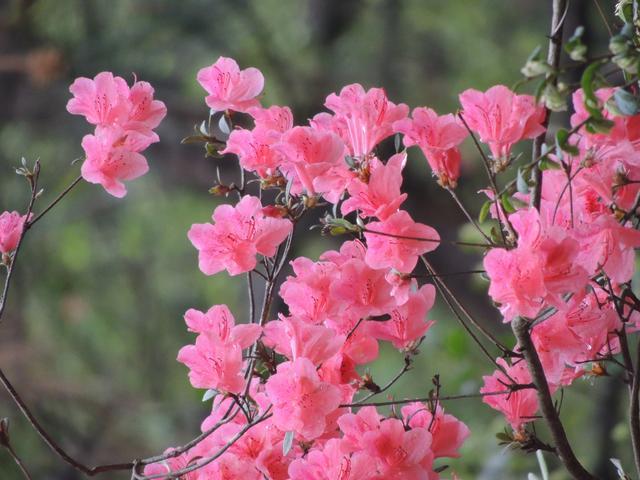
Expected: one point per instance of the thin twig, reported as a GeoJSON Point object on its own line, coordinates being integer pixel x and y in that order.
{"type": "Point", "coordinates": [55, 201]}
{"type": "Point", "coordinates": [440, 398]}
{"type": "Point", "coordinates": [560, 8]}
{"type": "Point", "coordinates": [33, 182]}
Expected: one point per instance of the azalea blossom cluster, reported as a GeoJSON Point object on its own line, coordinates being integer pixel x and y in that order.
{"type": "Point", "coordinates": [573, 256]}
{"type": "Point", "coordinates": [299, 370]}
{"type": "Point", "coordinates": [124, 119]}
{"type": "Point", "coordinates": [289, 388]}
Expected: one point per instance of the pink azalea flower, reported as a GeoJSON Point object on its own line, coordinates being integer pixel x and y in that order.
{"type": "Point", "coordinates": [102, 101]}
{"type": "Point", "coordinates": [543, 267]}
{"type": "Point", "coordinates": [365, 117]}
{"type": "Point", "coordinates": [220, 324]}
{"type": "Point", "coordinates": [213, 364]}
{"type": "Point", "coordinates": [408, 322]}
{"type": "Point", "coordinates": [398, 242]}
{"type": "Point", "coordinates": [11, 225]}
{"type": "Point", "coordinates": [275, 118]}
{"type": "Point", "coordinates": [145, 113]}
{"type": "Point", "coordinates": [518, 407]}
{"type": "Point", "coordinates": [447, 431]}
{"type": "Point", "coordinates": [301, 401]}
{"type": "Point", "coordinates": [400, 454]}
{"type": "Point", "coordinates": [355, 425]}
{"type": "Point", "coordinates": [331, 463]}
{"type": "Point", "coordinates": [380, 197]}
{"type": "Point", "coordinates": [501, 118]}
{"type": "Point", "coordinates": [230, 88]}
{"type": "Point", "coordinates": [237, 235]}
{"type": "Point", "coordinates": [315, 161]}
{"type": "Point", "coordinates": [255, 150]}
{"type": "Point", "coordinates": [110, 161]}
{"type": "Point", "coordinates": [295, 338]}
{"type": "Point", "coordinates": [438, 137]}
{"type": "Point", "coordinates": [308, 294]}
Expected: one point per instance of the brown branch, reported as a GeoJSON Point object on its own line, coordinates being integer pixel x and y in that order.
{"type": "Point", "coordinates": [553, 59]}
{"type": "Point", "coordinates": [520, 328]}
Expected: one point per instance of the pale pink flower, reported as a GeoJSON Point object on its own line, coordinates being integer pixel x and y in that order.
{"type": "Point", "coordinates": [365, 117]}
{"type": "Point", "coordinates": [237, 235]}
{"type": "Point", "coordinates": [218, 322]}
{"type": "Point", "coordinates": [379, 197]}
{"type": "Point", "coordinates": [314, 161]}
{"type": "Point", "coordinates": [408, 321]}
{"type": "Point", "coordinates": [110, 161]}
{"type": "Point", "coordinates": [447, 431]}
{"type": "Point", "coordinates": [518, 407]}
{"type": "Point", "coordinates": [255, 150]}
{"type": "Point", "coordinates": [230, 88]}
{"type": "Point", "coordinates": [438, 137]}
{"type": "Point", "coordinates": [501, 118]}
{"type": "Point", "coordinates": [301, 401]}
{"type": "Point", "coordinates": [102, 101]}
{"type": "Point", "coordinates": [295, 338]}
{"type": "Point", "coordinates": [11, 225]}
{"type": "Point", "coordinates": [145, 113]}
{"type": "Point", "coordinates": [274, 118]}
{"type": "Point", "coordinates": [398, 242]}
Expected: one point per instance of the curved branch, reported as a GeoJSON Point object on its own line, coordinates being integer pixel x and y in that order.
{"type": "Point", "coordinates": [521, 331]}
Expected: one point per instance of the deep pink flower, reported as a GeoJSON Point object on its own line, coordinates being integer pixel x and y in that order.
{"type": "Point", "coordinates": [308, 294]}
{"type": "Point", "coordinates": [301, 401]}
{"type": "Point", "coordinates": [438, 137]}
{"type": "Point", "coordinates": [213, 364]}
{"type": "Point", "coordinates": [501, 118]}
{"type": "Point", "coordinates": [380, 197]}
{"type": "Point", "coordinates": [255, 151]}
{"type": "Point", "coordinates": [332, 463]}
{"type": "Point", "coordinates": [518, 407]}
{"type": "Point", "coordinates": [398, 242]}
{"type": "Point", "coordinates": [110, 160]}
{"type": "Point", "coordinates": [540, 270]}
{"type": "Point", "coordinates": [237, 235]}
{"type": "Point", "coordinates": [400, 454]}
{"type": "Point", "coordinates": [364, 117]}
{"type": "Point", "coordinates": [447, 431]}
{"type": "Point", "coordinates": [11, 224]}
{"type": "Point", "coordinates": [408, 321]}
{"type": "Point", "coordinates": [230, 88]}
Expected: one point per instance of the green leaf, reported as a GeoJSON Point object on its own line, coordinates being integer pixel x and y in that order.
{"type": "Point", "coordinates": [521, 183]}
{"type": "Point", "coordinates": [627, 103]}
{"type": "Point", "coordinates": [287, 443]}
{"type": "Point", "coordinates": [484, 211]}
{"type": "Point", "coordinates": [548, 164]}
{"type": "Point", "coordinates": [562, 142]}
{"type": "Point", "coordinates": [575, 48]}
{"type": "Point", "coordinates": [587, 82]}
{"type": "Point", "coordinates": [209, 394]}
{"type": "Point", "coordinates": [506, 204]}
{"type": "Point", "coordinates": [535, 65]}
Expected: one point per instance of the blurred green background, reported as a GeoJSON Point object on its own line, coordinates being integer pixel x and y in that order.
{"type": "Point", "coordinates": [94, 321]}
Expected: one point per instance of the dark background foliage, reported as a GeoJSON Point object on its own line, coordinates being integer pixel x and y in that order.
{"type": "Point", "coordinates": [94, 322]}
